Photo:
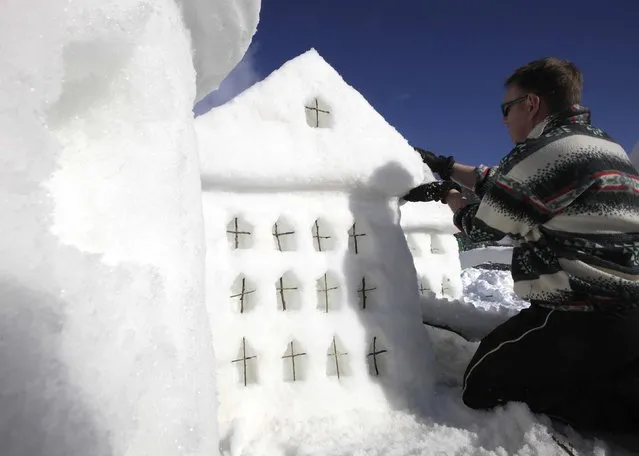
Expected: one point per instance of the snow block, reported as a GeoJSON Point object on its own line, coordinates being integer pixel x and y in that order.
{"type": "Point", "coordinates": [105, 344]}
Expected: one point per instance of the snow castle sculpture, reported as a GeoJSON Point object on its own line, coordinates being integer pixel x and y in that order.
{"type": "Point", "coordinates": [105, 345]}
{"type": "Point", "coordinates": [309, 276]}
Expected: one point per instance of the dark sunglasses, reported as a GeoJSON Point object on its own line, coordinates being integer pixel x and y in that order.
{"type": "Point", "coordinates": [505, 107]}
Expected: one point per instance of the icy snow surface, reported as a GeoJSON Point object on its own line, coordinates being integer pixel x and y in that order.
{"type": "Point", "coordinates": [105, 348]}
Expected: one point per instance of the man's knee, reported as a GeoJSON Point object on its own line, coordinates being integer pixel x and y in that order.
{"type": "Point", "coordinates": [479, 393]}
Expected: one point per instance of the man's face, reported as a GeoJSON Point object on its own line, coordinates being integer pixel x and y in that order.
{"type": "Point", "coordinates": [519, 109]}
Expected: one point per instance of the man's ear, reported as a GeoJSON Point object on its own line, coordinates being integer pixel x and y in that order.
{"type": "Point", "coordinates": [534, 103]}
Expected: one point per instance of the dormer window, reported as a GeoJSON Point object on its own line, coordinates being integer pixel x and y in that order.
{"type": "Point", "coordinates": [318, 114]}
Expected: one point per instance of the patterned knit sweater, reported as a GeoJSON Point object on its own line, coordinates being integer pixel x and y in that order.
{"type": "Point", "coordinates": [569, 197]}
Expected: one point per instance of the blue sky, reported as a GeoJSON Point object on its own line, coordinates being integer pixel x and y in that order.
{"type": "Point", "coordinates": [435, 70]}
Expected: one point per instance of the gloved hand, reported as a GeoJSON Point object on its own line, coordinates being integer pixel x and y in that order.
{"type": "Point", "coordinates": [432, 191]}
{"type": "Point", "coordinates": [438, 163]}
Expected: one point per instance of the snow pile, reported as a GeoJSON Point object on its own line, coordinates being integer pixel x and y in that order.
{"type": "Point", "coordinates": [490, 290]}
{"type": "Point", "coordinates": [488, 300]}
{"type": "Point", "coordinates": [104, 342]}
{"type": "Point", "coordinates": [453, 430]}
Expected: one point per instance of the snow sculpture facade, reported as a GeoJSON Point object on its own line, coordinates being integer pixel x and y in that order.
{"type": "Point", "coordinates": [430, 233]}
{"type": "Point", "coordinates": [106, 348]}
{"type": "Point", "coordinates": [309, 276]}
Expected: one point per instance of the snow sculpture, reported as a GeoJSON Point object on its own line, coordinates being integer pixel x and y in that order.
{"type": "Point", "coordinates": [429, 231]}
{"type": "Point", "coordinates": [105, 346]}
{"type": "Point", "coordinates": [309, 276]}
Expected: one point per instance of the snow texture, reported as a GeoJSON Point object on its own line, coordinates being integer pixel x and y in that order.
{"type": "Point", "coordinates": [292, 210]}
{"type": "Point", "coordinates": [221, 31]}
{"type": "Point", "coordinates": [105, 346]}
{"type": "Point", "coordinates": [266, 129]}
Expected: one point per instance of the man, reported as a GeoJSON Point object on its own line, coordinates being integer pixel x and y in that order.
{"type": "Point", "coordinates": [568, 196]}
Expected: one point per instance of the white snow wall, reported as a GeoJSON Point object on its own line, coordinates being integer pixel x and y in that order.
{"type": "Point", "coordinates": [105, 347]}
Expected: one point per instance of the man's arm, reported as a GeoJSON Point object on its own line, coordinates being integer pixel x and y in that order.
{"type": "Point", "coordinates": [507, 208]}
{"type": "Point", "coordinates": [471, 177]}
{"type": "Point", "coordinates": [464, 175]}
{"type": "Point", "coordinates": [465, 220]}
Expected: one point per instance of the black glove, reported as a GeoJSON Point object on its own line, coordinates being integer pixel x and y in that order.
{"type": "Point", "coordinates": [432, 191]}
{"type": "Point", "coordinates": [438, 163]}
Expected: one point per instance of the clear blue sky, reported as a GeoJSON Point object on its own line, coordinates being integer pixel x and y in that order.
{"type": "Point", "coordinates": [435, 69]}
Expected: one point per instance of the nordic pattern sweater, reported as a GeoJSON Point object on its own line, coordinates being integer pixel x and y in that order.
{"type": "Point", "coordinates": [569, 198]}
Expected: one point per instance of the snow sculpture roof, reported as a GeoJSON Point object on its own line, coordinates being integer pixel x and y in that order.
{"type": "Point", "coordinates": [221, 32]}
{"type": "Point", "coordinates": [266, 136]}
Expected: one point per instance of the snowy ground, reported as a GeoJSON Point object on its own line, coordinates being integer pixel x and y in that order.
{"type": "Point", "coordinates": [492, 290]}
{"type": "Point", "coordinates": [487, 301]}
{"type": "Point", "coordinates": [450, 428]}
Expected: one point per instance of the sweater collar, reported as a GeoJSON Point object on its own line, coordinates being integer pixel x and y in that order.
{"type": "Point", "coordinates": [575, 114]}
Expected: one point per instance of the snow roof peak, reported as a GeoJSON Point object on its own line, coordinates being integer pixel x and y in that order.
{"type": "Point", "coordinates": [304, 126]}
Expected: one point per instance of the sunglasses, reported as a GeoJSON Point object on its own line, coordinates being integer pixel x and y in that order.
{"type": "Point", "coordinates": [505, 107]}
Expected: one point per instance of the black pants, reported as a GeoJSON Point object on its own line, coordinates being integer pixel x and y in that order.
{"type": "Point", "coordinates": [578, 367]}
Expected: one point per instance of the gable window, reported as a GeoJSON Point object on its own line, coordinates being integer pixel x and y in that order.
{"type": "Point", "coordinates": [318, 113]}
